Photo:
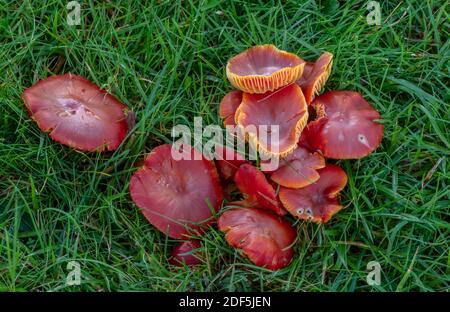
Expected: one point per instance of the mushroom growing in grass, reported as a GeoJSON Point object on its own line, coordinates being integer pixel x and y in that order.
{"type": "Point", "coordinates": [319, 201]}
{"type": "Point", "coordinates": [264, 68]}
{"type": "Point", "coordinates": [346, 126]}
{"type": "Point", "coordinates": [177, 196]}
{"type": "Point", "coordinates": [76, 113]}
{"type": "Point", "coordinates": [256, 189]}
{"type": "Point", "coordinates": [266, 239]}
{"type": "Point", "coordinates": [315, 76]}
{"type": "Point", "coordinates": [298, 169]}
{"type": "Point", "coordinates": [273, 121]}
{"type": "Point", "coordinates": [186, 252]}
{"type": "Point", "coordinates": [228, 107]}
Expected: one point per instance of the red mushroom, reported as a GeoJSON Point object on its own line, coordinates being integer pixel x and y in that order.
{"type": "Point", "coordinates": [315, 75]}
{"type": "Point", "coordinates": [299, 169]}
{"type": "Point", "coordinates": [319, 201]}
{"type": "Point", "coordinates": [177, 196]}
{"type": "Point", "coordinates": [228, 107]}
{"type": "Point", "coordinates": [77, 113]}
{"type": "Point", "coordinates": [228, 161]}
{"type": "Point", "coordinates": [186, 252]}
{"type": "Point", "coordinates": [283, 112]}
{"type": "Point", "coordinates": [346, 126]}
{"type": "Point", "coordinates": [256, 189]}
{"type": "Point", "coordinates": [263, 68]}
{"type": "Point", "coordinates": [265, 238]}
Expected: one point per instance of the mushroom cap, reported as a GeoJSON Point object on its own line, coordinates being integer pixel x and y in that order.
{"type": "Point", "coordinates": [228, 161]}
{"type": "Point", "coordinates": [263, 68]}
{"type": "Point", "coordinates": [185, 252]}
{"type": "Point", "coordinates": [315, 76]}
{"type": "Point", "coordinates": [285, 108]}
{"type": "Point", "coordinates": [265, 238]}
{"type": "Point", "coordinates": [257, 191]}
{"type": "Point", "coordinates": [318, 201]}
{"type": "Point", "coordinates": [77, 113]}
{"type": "Point", "coordinates": [345, 128]}
{"type": "Point", "coordinates": [228, 107]}
{"type": "Point", "coordinates": [175, 195]}
{"type": "Point", "coordinates": [298, 169]}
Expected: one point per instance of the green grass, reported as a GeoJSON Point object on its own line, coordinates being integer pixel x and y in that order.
{"type": "Point", "coordinates": [166, 61]}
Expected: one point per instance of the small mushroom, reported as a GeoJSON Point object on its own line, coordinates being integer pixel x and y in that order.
{"type": "Point", "coordinates": [228, 161]}
{"type": "Point", "coordinates": [346, 126]}
{"type": "Point", "coordinates": [228, 107]}
{"type": "Point", "coordinates": [256, 189]}
{"type": "Point", "coordinates": [315, 75]}
{"type": "Point", "coordinates": [186, 252]}
{"type": "Point", "coordinates": [273, 121]}
{"type": "Point", "coordinates": [264, 68]}
{"type": "Point", "coordinates": [77, 113]}
{"type": "Point", "coordinates": [298, 169]}
{"type": "Point", "coordinates": [177, 196]}
{"type": "Point", "coordinates": [317, 202]}
{"type": "Point", "coordinates": [265, 238]}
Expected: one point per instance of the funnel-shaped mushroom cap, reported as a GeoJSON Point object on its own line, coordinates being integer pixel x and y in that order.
{"type": "Point", "coordinates": [228, 107]}
{"type": "Point", "coordinates": [256, 189]}
{"type": "Point", "coordinates": [345, 128]}
{"type": "Point", "coordinates": [186, 252]}
{"type": "Point", "coordinates": [319, 201]}
{"type": "Point", "coordinates": [298, 169]}
{"type": "Point", "coordinates": [77, 113]}
{"type": "Point", "coordinates": [273, 121]}
{"type": "Point", "coordinates": [228, 161]}
{"type": "Point", "coordinates": [264, 238]}
{"type": "Point", "coordinates": [315, 75]}
{"type": "Point", "coordinates": [264, 68]}
{"type": "Point", "coordinates": [176, 196]}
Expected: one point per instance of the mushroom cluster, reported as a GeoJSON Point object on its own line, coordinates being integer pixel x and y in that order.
{"type": "Point", "coordinates": [182, 197]}
{"type": "Point", "coordinates": [278, 88]}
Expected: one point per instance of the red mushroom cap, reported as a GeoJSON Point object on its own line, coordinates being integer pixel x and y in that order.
{"type": "Point", "coordinates": [345, 128]}
{"type": "Point", "coordinates": [228, 161]}
{"type": "Point", "coordinates": [256, 189]}
{"type": "Point", "coordinates": [315, 75]}
{"type": "Point", "coordinates": [77, 113]}
{"type": "Point", "coordinates": [174, 195]}
{"type": "Point", "coordinates": [263, 68]}
{"type": "Point", "coordinates": [319, 201]}
{"type": "Point", "coordinates": [228, 107]}
{"type": "Point", "coordinates": [186, 252]}
{"type": "Point", "coordinates": [265, 238]}
{"type": "Point", "coordinates": [285, 108]}
{"type": "Point", "coordinates": [299, 169]}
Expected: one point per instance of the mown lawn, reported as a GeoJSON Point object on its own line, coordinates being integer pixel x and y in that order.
{"type": "Point", "coordinates": [166, 60]}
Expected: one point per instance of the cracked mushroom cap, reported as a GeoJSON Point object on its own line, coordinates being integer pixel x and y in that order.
{"type": "Point", "coordinates": [315, 76]}
{"type": "Point", "coordinates": [273, 121]}
{"type": "Point", "coordinates": [257, 191]}
{"type": "Point", "coordinates": [319, 201]}
{"type": "Point", "coordinates": [76, 113]}
{"type": "Point", "coordinates": [266, 239]}
{"type": "Point", "coordinates": [177, 196]}
{"type": "Point", "coordinates": [228, 107]}
{"type": "Point", "coordinates": [186, 252]}
{"type": "Point", "coordinates": [263, 68]}
{"type": "Point", "coordinates": [346, 126]}
{"type": "Point", "coordinates": [298, 169]}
